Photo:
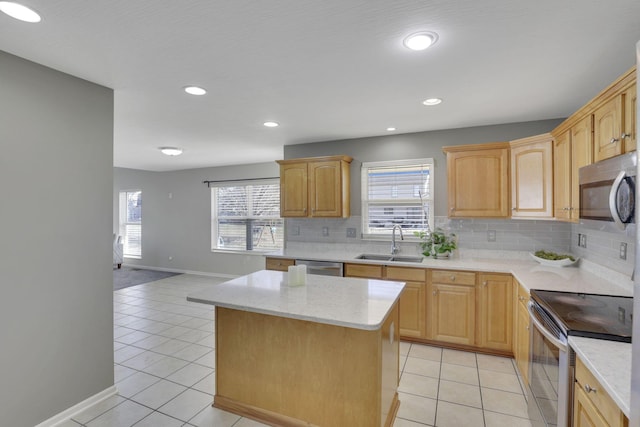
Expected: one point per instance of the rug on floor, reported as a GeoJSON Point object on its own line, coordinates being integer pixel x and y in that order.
{"type": "Point", "coordinates": [131, 276]}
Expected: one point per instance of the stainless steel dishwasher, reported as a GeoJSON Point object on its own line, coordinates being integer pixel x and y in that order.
{"type": "Point", "coordinates": [323, 268]}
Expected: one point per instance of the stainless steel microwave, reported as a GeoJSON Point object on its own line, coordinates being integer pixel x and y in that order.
{"type": "Point", "coordinates": [607, 190]}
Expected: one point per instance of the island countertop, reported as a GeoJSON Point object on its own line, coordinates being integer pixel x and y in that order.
{"type": "Point", "coordinates": [341, 301]}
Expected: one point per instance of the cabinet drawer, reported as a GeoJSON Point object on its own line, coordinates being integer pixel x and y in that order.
{"type": "Point", "coordinates": [453, 277]}
{"type": "Point", "coordinates": [406, 274]}
{"type": "Point", "coordinates": [279, 264]}
{"type": "Point", "coordinates": [363, 270]}
{"type": "Point", "coordinates": [601, 400]}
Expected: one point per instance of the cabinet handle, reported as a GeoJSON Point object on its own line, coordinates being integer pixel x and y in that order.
{"type": "Point", "coordinates": [589, 389]}
{"type": "Point", "coordinates": [484, 283]}
{"type": "Point", "coordinates": [520, 297]}
{"type": "Point", "coordinates": [452, 209]}
{"type": "Point", "coordinates": [452, 278]}
{"type": "Point", "coordinates": [513, 209]}
{"type": "Point", "coordinates": [304, 210]}
{"type": "Point", "coordinates": [527, 327]}
{"type": "Point", "coordinates": [614, 140]}
{"type": "Point", "coordinates": [625, 135]}
{"type": "Point", "coordinates": [435, 292]}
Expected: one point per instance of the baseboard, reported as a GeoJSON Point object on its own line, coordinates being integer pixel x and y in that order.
{"type": "Point", "coordinates": [76, 409]}
{"type": "Point", "coordinates": [177, 270]}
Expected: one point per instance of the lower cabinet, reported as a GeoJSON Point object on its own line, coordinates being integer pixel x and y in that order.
{"type": "Point", "coordinates": [279, 264]}
{"type": "Point", "coordinates": [592, 406]}
{"type": "Point", "coordinates": [451, 306]}
{"type": "Point", "coordinates": [412, 299]}
{"type": "Point", "coordinates": [521, 335]}
{"type": "Point", "coordinates": [495, 311]}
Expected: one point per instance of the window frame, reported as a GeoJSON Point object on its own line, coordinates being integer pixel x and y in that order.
{"type": "Point", "coordinates": [123, 222]}
{"type": "Point", "coordinates": [215, 217]}
{"type": "Point", "coordinates": [385, 233]}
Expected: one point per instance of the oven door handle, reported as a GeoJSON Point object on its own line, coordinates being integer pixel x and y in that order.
{"type": "Point", "coordinates": [540, 327]}
{"type": "Point", "coordinates": [613, 205]}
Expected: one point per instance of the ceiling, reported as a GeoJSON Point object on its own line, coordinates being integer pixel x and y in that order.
{"type": "Point", "coordinates": [323, 69]}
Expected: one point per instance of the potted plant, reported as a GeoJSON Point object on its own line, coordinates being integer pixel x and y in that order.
{"type": "Point", "coordinates": [438, 243]}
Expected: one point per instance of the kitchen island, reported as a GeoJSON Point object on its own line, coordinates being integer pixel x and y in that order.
{"type": "Point", "coordinates": [325, 354]}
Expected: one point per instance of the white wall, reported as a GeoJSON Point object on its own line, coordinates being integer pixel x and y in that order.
{"type": "Point", "coordinates": [56, 176]}
{"type": "Point", "coordinates": [180, 226]}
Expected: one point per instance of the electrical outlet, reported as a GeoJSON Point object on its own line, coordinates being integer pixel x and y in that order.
{"type": "Point", "coordinates": [491, 236]}
{"type": "Point", "coordinates": [170, 258]}
{"type": "Point", "coordinates": [351, 233]}
{"type": "Point", "coordinates": [623, 250]}
{"type": "Point", "coordinates": [295, 230]}
{"type": "Point", "coordinates": [325, 231]}
{"type": "Point", "coordinates": [582, 240]}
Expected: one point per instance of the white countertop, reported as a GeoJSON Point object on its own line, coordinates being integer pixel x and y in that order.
{"type": "Point", "coordinates": [610, 363]}
{"type": "Point", "coordinates": [349, 302]}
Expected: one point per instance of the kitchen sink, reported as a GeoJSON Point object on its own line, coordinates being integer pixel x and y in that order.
{"type": "Point", "coordinates": [391, 258]}
{"type": "Point", "coordinates": [375, 257]}
{"type": "Point", "coordinates": [407, 258]}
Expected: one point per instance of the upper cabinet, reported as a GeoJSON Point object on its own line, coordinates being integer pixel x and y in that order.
{"type": "Point", "coordinates": [603, 128]}
{"type": "Point", "coordinates": [315, 187]}
{"type": "Point", "coordinates": [478, 180]}
{"type": "Point", "coordinates": [532, 177]}
{"type": "Point", "coordinates": [572, 150]}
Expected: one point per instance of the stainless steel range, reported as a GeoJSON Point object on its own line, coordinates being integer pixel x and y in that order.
{"type": "Point", "coordinates": [554, 317]}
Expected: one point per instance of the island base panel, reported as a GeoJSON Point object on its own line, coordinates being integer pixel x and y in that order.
{"type": "Point", "coordinates": [290, 372]}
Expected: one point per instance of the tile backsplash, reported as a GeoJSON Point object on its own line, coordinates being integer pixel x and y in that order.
{"type": "Point", "coordinates": [603, 247]}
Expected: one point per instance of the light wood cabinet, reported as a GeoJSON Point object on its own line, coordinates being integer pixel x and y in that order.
{"type": "Point", "coordinates": [495, 311]}
{"type": "Point", "coordinates": [279, 264]}
{"type": "Point", "coordinates": [572, 150]}
{"type": "Point", "coordinates": [451, 307]}
{"type": "Point", "coordinates": [412, 300]}
{"type": "Point", "coordinates": [478, 180]}
{"type": "Point", "coordinates": [607, 129]}
{"type": "Point", "coordinates": [315, 187]}
{"type": "Point", "coordinates": [630, 130]}
{"type": "Point", "coordinates": [532, 177]}
{"type": "Point", "coordinates": [521, 344]}
{"type": "Point", "coordinates": [592, 405]}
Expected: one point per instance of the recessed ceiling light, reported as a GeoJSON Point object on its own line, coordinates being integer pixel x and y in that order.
{"type": "Point", "coordinates": [171, 151]}
{"type": "Point", "coordinates": [420, 41]}
{"type": "Point", "coordinates": [271, 124]}
{"type": "Point", "coordinates": [391, 129]}
{"type": "Point", "coordinates": [432, 101]}
{"type": "Point", "coordinates": [18, 11]}
{"type": "Point", "coordinates": [195, 90]}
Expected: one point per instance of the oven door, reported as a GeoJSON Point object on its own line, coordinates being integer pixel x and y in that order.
{"type": "Point", "coordinates": [551, 375]}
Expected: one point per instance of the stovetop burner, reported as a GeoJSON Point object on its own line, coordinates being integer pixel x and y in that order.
{"type": "Point", "coordinates": [589, 315]}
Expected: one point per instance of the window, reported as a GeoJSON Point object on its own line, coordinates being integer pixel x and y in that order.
{"type": "Point", "coordinates": [246, 216]}
{"type": "Point", "coordinates": [131, 223]}
{"type": "Point", "coordinates": [397, 193]}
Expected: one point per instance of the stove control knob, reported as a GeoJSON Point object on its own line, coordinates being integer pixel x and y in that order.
{"type": "Point", "coordinates": [589, 389]}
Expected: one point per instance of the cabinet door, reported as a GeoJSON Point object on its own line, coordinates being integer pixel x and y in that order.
{"type": "Point", "coordinates": [630, 120]}
{"type": "Point", "coordinates": [562, 176]}
{"type": "Point", "coordinates": [531, 179]}
{"type": "Point", "coordinates": [293, 190]}
{"type": "Point", "coordinates": [478, 183]}
{"type": "Point", "coordinates": [581, 155]}
{"type": "Point", "coordinates": [607, 129]}
{"type": "Point", "coordinates": [452, 313]}
{"type": "Point", "coordinates": [412, 310]}
{"type": "Point", "coordinates": [325, 189]}
{"type": "Point", "coordinates": [496, 312]}
{"type": "Point", "coordinates": [521, 348]}
{"type": "Point", "coordinates": [585, 413]}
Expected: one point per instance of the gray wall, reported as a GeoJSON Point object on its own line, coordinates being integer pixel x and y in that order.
{"type": "Point", "coordinates": [413, 146]}
{"type": "Point", "coordinates": [180, 226]}
{"type": "Point", "coordinates": [56, 311]}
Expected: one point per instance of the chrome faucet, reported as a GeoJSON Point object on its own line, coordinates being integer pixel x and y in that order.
{"type": "Point", "coordinates": [395, 249]}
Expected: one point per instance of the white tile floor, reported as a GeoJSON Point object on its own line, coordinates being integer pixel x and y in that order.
{"type": "Point", "coordinates": [164, 371]}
